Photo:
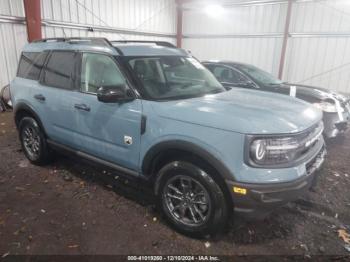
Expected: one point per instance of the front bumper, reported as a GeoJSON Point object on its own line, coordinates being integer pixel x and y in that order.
{"type": "Point", "coordinates": [333, 125]}
{"type": "Point", "coordinates": [255, 201]}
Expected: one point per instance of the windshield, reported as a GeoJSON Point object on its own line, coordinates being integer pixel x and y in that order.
{"type": "Point", "coordinates": [173, 77]}
{"type": "Point", "coordinates": [259, 75]}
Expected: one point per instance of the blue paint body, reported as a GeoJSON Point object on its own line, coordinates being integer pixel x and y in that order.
{"type": "Point", "coordinates": [216, 123]}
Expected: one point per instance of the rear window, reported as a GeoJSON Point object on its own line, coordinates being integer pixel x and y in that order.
{"type": "Point", "coordinates": [59, 70]}
{"type": "Point", "coordinates": [31, 64]}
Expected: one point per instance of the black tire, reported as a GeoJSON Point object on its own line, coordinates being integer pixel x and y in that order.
{"type": "Point", "coordinates": [42, 153]}
{"type": "Point", "coordinates": [214, 216]}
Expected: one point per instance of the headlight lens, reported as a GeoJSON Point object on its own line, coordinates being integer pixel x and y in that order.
{"type": "Point", "coordinates": [273, 151]}
{"type": "Point", "coordinates": [282, 150]}
{"type": "Point", "coordinates": [327, 107]}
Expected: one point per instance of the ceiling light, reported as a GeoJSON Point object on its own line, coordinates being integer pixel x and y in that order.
{"type": "Point", "coordinates": [214, 10]}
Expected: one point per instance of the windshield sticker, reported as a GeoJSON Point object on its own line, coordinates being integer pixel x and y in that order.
{"type": "Point", "coordinates": [339, 110]}
{"type": "Point", "coordinates": [293, 90]}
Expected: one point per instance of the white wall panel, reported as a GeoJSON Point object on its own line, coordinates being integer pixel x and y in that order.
{"type": "Point", "coordinates": [158, 16]}
{"type": "Point", "coordinates": [310, 59]}
{"type": "Point", "coordinates": [144, 15]}
{"type": "Point", "coordinates": [318, 51]}
{"type": "Point", "coordinates": [262, 52]}
{"type": "Point", "coordinates": [321, 16]}
{"type": "Point", "coordinates": [12, 7]}
{"type": "Point", "coordinates": [12, 39]}
{"type": "Point", "coordinates": [321, 62]}
{"type": "Point", "coordinates": [237, 20]}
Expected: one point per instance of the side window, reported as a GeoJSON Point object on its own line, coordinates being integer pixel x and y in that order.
{"type": "Point", "coordinates": [224, 74]}
{"type": "Point", "coordinates": [59, 70]}
{"type": "Point", "coordinates": [98, 70]}
{"type": "Point", "coordinates": [31, 64]}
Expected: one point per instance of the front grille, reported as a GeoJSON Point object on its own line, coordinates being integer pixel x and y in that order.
{"type": "Point", "coordinates": [308, 140]}
{"type": "Point", "coordinates": [316, 162]}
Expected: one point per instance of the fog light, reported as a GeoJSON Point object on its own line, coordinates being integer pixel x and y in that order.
{"type": "Point", "coordinates": [240, 190]}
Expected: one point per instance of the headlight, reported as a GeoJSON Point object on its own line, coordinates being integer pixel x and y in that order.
{"type": "Point", "coordinates": [282, 150]}
{"type": "Point", "coordinates": [328, 107]}
{"type": "Point", "coordinates": [273, 151]}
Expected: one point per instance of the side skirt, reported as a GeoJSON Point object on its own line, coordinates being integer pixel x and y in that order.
{"type": "Point", "coordinates": [128, 173]}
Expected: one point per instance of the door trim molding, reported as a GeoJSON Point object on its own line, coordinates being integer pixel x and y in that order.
{"type": "Point", "coordinates": [93, 158]}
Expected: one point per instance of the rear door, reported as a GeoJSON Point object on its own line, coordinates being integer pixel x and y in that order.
{"type": "Point", "coordinates": [59, 93]}
{"type": "Point", "coordinates": [25, 87]}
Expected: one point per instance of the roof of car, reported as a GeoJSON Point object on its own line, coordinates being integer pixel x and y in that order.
{"type": "Point", "coordinates": [118, 48]}
{"type": "Point", "coordinates": [149, 50]}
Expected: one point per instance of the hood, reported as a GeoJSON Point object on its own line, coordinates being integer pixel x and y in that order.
{"type": "Point", "coordinates": [243, 111]}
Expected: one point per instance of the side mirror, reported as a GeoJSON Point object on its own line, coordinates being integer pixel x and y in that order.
{"type": "Point", "coordinates": [113, 94]}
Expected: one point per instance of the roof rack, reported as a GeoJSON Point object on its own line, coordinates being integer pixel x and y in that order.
{"type": "Point", "coordinates": [160, 43]}
{"type": "Point", "coordinates": [78, 40]}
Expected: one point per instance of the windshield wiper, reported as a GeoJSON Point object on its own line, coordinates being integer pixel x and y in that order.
{"type": "Point", "coordinates": [181, 97]}
{"type": "Point", "coordinates": [216, 91]}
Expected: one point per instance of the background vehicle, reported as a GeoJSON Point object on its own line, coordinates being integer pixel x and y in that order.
{"type": "Point", "coordinates": [335, 107]}
{"type": "Point", "coordinates": [5, 98]}
{"type": "Point", "coordinates": [154, 113]}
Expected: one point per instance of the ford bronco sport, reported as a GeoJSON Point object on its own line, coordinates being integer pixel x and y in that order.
{"type": "Point", "coordinates": [153, 112]}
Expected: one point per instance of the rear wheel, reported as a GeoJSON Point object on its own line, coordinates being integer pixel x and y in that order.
{"type": "Point", "coordinates": [33, 141]}
{"type": "Point", "coordinates": [191, 200]}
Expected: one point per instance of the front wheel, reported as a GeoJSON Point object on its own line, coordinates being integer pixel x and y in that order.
{"type": "Point", "coordinates": [191, 200]}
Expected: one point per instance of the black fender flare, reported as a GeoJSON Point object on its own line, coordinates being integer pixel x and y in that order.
{"type": "Point", "coordinates": [198, 151]}
{"type": "Point", "coordinates": [25, 107]}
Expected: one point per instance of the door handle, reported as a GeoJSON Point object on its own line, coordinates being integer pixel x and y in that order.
{"type": "Point", "coordinates": [39, 97]}
{"type": "Point", "coordinates": [82, 107]}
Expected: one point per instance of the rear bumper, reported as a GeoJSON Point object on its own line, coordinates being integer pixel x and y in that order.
{"type": "Point", "coordinates": [260, 199]}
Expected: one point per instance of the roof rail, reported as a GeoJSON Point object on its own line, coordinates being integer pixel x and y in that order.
{"type": "Point", "coordinates": [160, 43]}
{"type": "Point", "coordinates": [76, 40]}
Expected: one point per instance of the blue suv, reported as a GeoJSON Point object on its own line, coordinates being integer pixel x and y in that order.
{"type": "Point", "coordinates": [152, 112]}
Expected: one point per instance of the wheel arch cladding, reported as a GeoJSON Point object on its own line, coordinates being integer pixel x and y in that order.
{"type": "Point", "coordinates": [167, 149]}
{"type": "Point", "coordinates": [164, 152]}
{"type": "Point", "coordinates": [23, 110]}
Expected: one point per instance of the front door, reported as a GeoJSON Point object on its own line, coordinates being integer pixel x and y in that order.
{"type": "Point", "coordinates": [109, 131]}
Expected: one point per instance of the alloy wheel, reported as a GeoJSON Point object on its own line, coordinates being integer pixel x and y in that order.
{"type": "Point", "coordinates": [187, 200]}
{"type": "Point", "coordinates": [31, 142]}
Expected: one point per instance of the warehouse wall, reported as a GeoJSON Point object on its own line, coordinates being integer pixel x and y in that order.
{"type": "Point", "coordinates": [152, 16]}
{"type": "Point", "coordinates": [134, 19]}
{"type": "Point", "coordinates": [318, 50]}
{"type": "Point", "coordinates": [244, 33]}
{"type": "Point", "coordinates": [13, 37]}
{"type": "Point", "coordinates": [322, 56]}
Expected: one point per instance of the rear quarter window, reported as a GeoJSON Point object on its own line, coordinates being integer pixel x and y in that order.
{"type": "Point", "coordinates": [30, 65]}
{"type": "Point", "coordinates": [60, 69]}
